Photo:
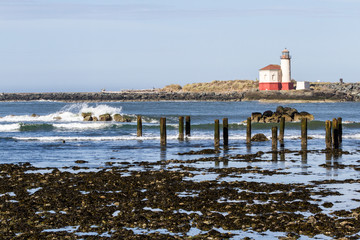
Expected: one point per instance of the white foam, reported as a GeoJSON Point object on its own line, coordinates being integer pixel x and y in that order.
{"type": "Point", "coordinates": [84, 125]}
{"type": "Point", "coordinates": [116, 138]}
{"type": "Point", "coordinates": [69, 113]}
{"type": "Point", "coordinates": [96, 111]}
{"type": "Point", "coordinates": [352, 136]}
{"type": "Point", "coordinates": [75, 139]}
{"type": "Point", "coordinates": [348, 122]}
{"type": "Point", "coordinates": [9, 127]}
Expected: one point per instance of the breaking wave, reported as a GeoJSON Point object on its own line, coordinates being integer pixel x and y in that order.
{"type": "Point", "coordinates": [69, 113]}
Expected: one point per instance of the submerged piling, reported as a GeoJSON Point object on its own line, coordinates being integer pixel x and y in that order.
{"type": "Point", "coordinates": [139, 126]}
{"type": "Point", "coordinates": [340, 129]}
{"type": "Point", "coordinates": [217, 133]}
{"type": "Point", "coordinates": [181, 128]}
{"type": "Point", "coordinates": [163, 131]}
{"type": "Point", "coordinates": [335, 133]}
{"type": "Point", "coordinates": [304, 132]}
{"type": "Point", "coordinates": [248, 130]}
{"type": "Point", "coordinates": [226, 132]}
{"type": "Point", "coordinates": [274, 138]}
{"type": "Point", "coordinates": [328, 140]}
{"type": "Point", "coordinates": [187, 125]}
{"type": "Point", "coordinates": [282, 131]}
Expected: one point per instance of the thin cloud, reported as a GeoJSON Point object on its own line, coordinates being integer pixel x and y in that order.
{"type": "Point", "coordinates": [19, 10]}
{"type": "Point", "coordinates": [28, 10]}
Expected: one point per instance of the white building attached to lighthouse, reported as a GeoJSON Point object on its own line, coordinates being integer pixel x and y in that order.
{"type": "Point", "coordinates": [277, 77]}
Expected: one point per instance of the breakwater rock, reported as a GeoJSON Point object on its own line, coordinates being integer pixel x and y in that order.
{"type": "Point", "coordinates": [289, 114]}
{"type": "Point", "coordinates": [123, 96]}
{"type": "Point", "coordinates": [333, 92]}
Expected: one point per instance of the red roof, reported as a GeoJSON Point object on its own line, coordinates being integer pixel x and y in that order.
{"type": "Point", "coordinates": [272, 67]}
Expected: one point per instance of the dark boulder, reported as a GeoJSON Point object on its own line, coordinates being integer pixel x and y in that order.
{"type": "Point", "coordinates": [307, 115]}
{"type": "Point", "coordinates": [86, 114]}
{"type": "Point", "coordinates": [105, 117]}
{"type": "Point", "coordinates": [268, 113]}
{"type": "Point", "coordinates": [120, 118]}
{"type": "Point", "coordinates": [88, 118]}
{"type": "Point", "coordinates": [280, 109]}
{"type": "Point", "coordinates": [259, 137]}
{"type": "Point", "coordinates": [255, 116]}
{"type": "Point", "coordinates": [290, 111]}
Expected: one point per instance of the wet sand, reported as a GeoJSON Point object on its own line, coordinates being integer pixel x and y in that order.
{"type": "Point", "coordinates": [203, 197]}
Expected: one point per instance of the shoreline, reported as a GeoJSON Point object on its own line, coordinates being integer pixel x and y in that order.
{"type": "Point", "coordinates": [131, 96]}
{"type": "Point", "coordinates": [138, 203]}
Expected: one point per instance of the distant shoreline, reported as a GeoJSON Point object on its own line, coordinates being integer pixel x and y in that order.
{"type": "Point", "coordinates": [134, 96]}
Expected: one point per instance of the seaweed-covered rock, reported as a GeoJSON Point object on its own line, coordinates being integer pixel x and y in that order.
{"type": "Point", "coordinates": [259, 137]}
{"type": "Point", "coordinates": [290, 115]}
{"type": "Point", "coordinates": [105, 117]}
{"type": "Point", "coordinates": [256, 116]}
{"type": "Point", "coordinates": [120, 118]}
{"type": "Point", "coordinates": [268, 113]}
{"type": "Point", "coordinates": [290, 111]}
{"type": "Point", "coordinates": [85, 114]}
{"type": "Point", "coordinates": [307, 115]}
{"type": "Point", "coordinates": [280, 109]}
{"type": "Point", "coordinates": [88, 118]}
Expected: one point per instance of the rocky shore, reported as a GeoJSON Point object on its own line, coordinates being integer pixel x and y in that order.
{"type": "Point", "coordinates": [118, 202]}
{"type": "Point", "coordinates": [331, 92]}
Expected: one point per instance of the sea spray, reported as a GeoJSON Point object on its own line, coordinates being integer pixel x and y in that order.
{"type": "Point", "coordinates": [9, 127]}
{"type": "Point", "coordinates": [68, 113]}
{"type": "Point", "coordinates": [96, 110]}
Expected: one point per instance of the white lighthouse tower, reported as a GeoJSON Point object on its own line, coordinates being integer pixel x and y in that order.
{"type": "Point", "coordinates": [286, 83]}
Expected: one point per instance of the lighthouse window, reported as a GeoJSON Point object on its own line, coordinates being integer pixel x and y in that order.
{"type": "Point", "coordinates": [273, 77]}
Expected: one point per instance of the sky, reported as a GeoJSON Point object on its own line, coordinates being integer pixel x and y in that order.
{"type": "Point", "coordinates": [89, 45]}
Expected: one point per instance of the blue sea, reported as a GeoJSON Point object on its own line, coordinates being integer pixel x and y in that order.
{"type": "Point", "coordinates": [57, 136]}
{"type": "Point", "coordinates": [39, 140]}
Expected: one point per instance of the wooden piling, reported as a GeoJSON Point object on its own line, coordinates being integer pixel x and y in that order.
{"type": "Point", "coordinates": [328, 140]}
{"type": "Point", "coordinates": [217, 133]}
{"type": "Point", "coordinates": [335, 133]}
{"type": "Point", "coordinates": [274, 138]}
{"type": "Point", "coordinates": [282, 131]}
{"type": "Point", "coordinates": [304, 132]}
{"type": "Point", "coordinates": [181, 128]}
{"type": "Point", "coordinates": [225, 132]}
{"type": "Point", "coordinates": [163, 131]}
{"type": "Point", "coordinates": [340, 129]}
{"type": "Point", "coordinates": [248, 130]}
{"type": "Point", "coordinates": [187, 125]}
{"type": "Point", "coordinates": [139, 126]}
{"type": "Point", "coordinates": [282, 155]}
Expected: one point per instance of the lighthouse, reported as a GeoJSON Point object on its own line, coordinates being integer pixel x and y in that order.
{"type": "Point", "coordinates": [286, 70]}
{"type": "Point", "coordinates": [277, 77]}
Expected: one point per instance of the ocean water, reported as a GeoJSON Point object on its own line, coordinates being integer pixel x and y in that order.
{"type": "Point", "coordinates": [58, 137]}
{"type": "Point", "coordinates": [39, 140]}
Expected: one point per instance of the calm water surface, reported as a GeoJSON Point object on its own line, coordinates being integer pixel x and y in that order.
{"type": "Point", "coordinates": [40, 141]}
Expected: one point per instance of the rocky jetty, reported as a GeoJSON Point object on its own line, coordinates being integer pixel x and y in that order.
{"type": "Point", "coordinates": [328, 92]}
{"type": "Point", "coordinates": [290, 115]}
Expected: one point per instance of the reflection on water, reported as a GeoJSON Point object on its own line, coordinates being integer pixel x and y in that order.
{"type": "Point", "coordinates": [274, 156]}
{"type": "Point", "coordinates": [282, 155]}
{"type": "Point", "coordinates": [304, 159]}
{"type": "Point", "coordinates": [332, 163]}
{"type": "Point", "coordinates": [163, 153]}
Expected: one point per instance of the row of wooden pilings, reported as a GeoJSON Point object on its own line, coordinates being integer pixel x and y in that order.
{"type": "Point", "coordinates": [333, 129]}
